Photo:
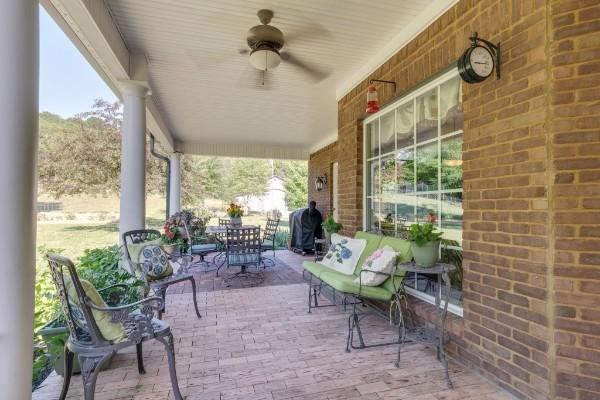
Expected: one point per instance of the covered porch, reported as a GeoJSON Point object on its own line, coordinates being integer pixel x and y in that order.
{"type": "Point", "coordinates": [507, 164]}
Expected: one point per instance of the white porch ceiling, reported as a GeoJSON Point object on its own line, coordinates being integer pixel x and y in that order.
{"type": "Point", "coordinates": [197, 75]}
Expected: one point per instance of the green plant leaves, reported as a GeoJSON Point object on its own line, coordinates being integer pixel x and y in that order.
{"type": "Point", "coordinates": [422, 234]}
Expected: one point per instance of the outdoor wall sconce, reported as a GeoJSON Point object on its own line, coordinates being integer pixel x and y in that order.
{"type": "Point", "coordinates": [373, 96]}
{"type": "Point", "coordinates": [320, 182]}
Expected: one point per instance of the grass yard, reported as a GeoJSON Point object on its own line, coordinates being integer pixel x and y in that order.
{"type": "Point", "coordinates": [76, 236]}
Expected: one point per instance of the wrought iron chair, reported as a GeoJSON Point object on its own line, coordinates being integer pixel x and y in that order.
{"type": "Point", "coordinates": [268, 242]}
{"type": "Point", "coordinates": [199, 247]}
{"type": "Point", "coordinates": [221, 238]}
{"type": "Point", "coordinates": [243, 250]}
{"type": "Point", "coordinates": [129, 325]}
{"type": "Point", "coordinates": [157, 286]}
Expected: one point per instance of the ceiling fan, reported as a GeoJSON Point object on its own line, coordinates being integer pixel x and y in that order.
{"type": "Point", "coordinates": [265, 43]}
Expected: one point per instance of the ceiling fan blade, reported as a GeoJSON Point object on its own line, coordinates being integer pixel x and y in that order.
{"type": "Point", "coordinates": [252, 78]}
{"type": "Point", "coordinates": [312, 73]}
{"type": "Point", "coordinates": [310, 30]}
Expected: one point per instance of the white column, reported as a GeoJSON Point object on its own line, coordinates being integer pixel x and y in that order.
{"type": "Point", "coordinates": [19, 69]}
{"type": "Point", "coordinates": [175, 183]}
{"type": "Point", "coordinates": [133, 157]}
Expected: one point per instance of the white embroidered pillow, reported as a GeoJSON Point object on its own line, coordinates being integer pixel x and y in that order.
{"type": "Point", "coordinates": [382, 260]}
{"type": "Point", "coordinates": [344, 253]}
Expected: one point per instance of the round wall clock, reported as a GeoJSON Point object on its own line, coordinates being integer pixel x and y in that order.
{"type": "Point", "coordinates": [478, 62]}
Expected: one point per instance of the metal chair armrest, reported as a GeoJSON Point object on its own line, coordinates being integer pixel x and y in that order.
{"type": "Point", "coordinates": [117, 285]}
{"type": "Point", "coordinates": [147, 302]}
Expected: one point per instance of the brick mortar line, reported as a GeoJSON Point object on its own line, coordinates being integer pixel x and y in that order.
{"type": "Point", "coordinates": [550, 195]}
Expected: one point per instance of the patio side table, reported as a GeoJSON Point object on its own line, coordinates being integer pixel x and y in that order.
{"type": "Point", "coordinates": [436, 335]}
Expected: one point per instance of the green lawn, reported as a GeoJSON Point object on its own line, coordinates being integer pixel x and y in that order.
{"type": "Point", "coordinates": [74, 238]}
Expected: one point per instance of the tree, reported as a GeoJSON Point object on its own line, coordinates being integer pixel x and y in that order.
{"type": "Point", "coordinates": [295, 181]}
{"type": "Point", "coordinates": [201, 178]}
{"type": "Point", "coordinates": [82, 154]}
{"type": "Point", "coordinates": [245, 177]}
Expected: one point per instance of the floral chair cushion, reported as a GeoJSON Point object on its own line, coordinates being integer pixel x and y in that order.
{"type": "Point", "coordinates": [344, 253]}
{"type": "Point", "coordinates": [382, 260]}
{"type": "Point", "coordinates": [155, 261]}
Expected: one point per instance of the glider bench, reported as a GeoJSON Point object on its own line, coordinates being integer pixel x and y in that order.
{"type": "Point", "coordinates": [353, 293]}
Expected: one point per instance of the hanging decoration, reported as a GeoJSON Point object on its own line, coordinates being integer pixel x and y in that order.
{"type": "Point", "coordinates": [372, 100]}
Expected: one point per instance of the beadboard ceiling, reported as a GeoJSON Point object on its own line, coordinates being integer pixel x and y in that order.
{"type": "Point", "coordinates": [200, 82]}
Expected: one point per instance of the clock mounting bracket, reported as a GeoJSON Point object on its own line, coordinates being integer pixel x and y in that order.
{"type": "Point", "coordinates": [494, 49]}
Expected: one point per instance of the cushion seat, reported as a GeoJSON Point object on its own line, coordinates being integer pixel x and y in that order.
{"type": "Point", "coordinates": [315, 268]}
{"type": "Point", "coordinates": [204, 248]}
{"type": "Point", "coordinates": [345, 283]}
{"type": "Point", "coordinates": [266, 246]}
{"type": "Point", "coordinates": [243, 259]}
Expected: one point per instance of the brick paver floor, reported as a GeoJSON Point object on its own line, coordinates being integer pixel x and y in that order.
{"type": "Point", "coordinates": [259, 343]}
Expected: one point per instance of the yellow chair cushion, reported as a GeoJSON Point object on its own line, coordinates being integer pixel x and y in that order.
{"type": "Point", "coordinates": [111, 331]}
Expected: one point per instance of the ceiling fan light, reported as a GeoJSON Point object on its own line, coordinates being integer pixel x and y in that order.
{"type": "Point", "coordinates": [264, 58]}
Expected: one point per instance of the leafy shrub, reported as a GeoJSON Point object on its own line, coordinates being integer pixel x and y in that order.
{"type": "Point", "coordinates": [281, 239]}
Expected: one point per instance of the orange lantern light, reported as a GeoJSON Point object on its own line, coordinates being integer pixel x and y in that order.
{"type": "Point", "coordinates": [372, 100]}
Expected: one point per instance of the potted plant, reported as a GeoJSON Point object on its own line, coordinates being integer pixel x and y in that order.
{"type": "Point", "coordinates": [330, 225]}
{"type": "Point", "coordinates": [235, 213]}
{"type": "Point", "coordinates": [424, 243]}
{"type": "Point", "coordinates": [172, 236]}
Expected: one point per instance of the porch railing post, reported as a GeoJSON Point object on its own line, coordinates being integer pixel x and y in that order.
{"type": "Point", "coordinates": [133, 157]}
{"type": "Point", "coordinates": [175, 190]}
{"type": "Point", "coordinates": [19, 69]}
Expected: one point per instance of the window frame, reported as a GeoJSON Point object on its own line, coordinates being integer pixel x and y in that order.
{"type": "Point", "coordinates": [369, 197]}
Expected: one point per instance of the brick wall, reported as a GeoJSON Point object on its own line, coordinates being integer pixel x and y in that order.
{"type": "Point", "coordinates": [574, 126]}
{"type": "Point", "coordinates": [321, 163]}
{"type": "Point", "coordinates": [531, 188]}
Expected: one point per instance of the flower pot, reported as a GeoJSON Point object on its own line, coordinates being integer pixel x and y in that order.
{"type": "Point", "coordinates": [236, 221]}
{"type": "Point", "coordinates": [55, 335]}
{"type": "Point", "coordinates": [170, 248]}
{"type": "Point", "coordinates": [427, 255]}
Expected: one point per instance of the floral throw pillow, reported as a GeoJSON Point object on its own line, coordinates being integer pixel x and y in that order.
{"type": "Point", "coordinates": [344, 253]}
{"type": "Point", "coordinates": [382, 260]}
{"type": "Point", "coordinates": [155, 262]}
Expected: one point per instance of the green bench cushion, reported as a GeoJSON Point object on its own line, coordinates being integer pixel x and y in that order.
{"type": "Point", "coordinates": [315, 268]}
{"type": "Point", "coordinates": [345, 283]}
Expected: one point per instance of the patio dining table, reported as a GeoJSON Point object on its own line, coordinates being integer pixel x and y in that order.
{"type": "Point", "coordinates": [220, 229]}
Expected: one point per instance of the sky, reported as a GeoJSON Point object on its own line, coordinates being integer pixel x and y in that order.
{"type": "Point", "coordinates": [68, 84]}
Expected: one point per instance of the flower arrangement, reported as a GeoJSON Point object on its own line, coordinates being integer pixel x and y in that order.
{"type": "Point", "coordinates": [235, 211]}
{"type": "Point", "coordinates": [171, 231]}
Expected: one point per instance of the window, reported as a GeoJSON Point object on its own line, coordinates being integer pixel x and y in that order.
{"type": "Point", "coordinates": [413, 168]}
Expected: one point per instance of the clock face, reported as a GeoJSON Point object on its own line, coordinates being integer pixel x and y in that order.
{"type": "Point", "coordinates": [482, 62]}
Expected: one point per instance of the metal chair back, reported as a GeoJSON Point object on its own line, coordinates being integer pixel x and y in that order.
{"type": "Point", "coordinates": [243, 245]}
{"type": "Point", "coordinates": [80, 320]}
{"type": "Point", "coordinates": [224, 222]}
{"type": "Point", "coordinates": [270, 230]}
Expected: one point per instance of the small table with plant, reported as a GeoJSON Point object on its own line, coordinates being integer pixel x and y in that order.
{"type": "Point", "coordinates": [425, 246]}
